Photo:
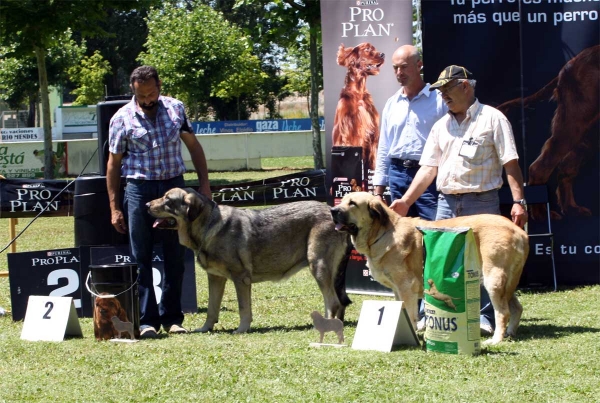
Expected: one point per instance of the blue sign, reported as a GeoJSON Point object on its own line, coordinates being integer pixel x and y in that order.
{"type": "Point", "coordinates": [245, 126]}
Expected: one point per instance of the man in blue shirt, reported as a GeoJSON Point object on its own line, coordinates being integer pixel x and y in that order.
{"type": "Point", "coordinates": [406, 121]}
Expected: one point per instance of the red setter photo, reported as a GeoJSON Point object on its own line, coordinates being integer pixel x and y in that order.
{"type": "Point", "coordinates": [576, 91]}
{"type": "Point", "coordinates": [104, 310]}
{"type": "Point", "coordinates": [356, 121]}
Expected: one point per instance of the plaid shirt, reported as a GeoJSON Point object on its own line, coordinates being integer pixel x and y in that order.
{"type": "Point", "coordinates": [490, 131]}
{"type": "Point", "coordinates": [150, 152]}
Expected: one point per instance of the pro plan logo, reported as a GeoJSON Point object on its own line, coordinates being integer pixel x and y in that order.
{"type": "Point", "coordinates": [367, 3]}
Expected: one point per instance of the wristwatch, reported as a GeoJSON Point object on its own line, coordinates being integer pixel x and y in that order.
{"type": "Point", "coordinates": [522, 202]}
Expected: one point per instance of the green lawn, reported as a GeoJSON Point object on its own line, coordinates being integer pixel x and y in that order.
{"type": "Point", "coordinates": [555, 357]}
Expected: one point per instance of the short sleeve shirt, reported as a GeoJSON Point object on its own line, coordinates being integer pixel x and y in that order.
{"type": "Point", "coordinates": [491, 134]}
{"type": "Point", "coordinates": [151, 150]}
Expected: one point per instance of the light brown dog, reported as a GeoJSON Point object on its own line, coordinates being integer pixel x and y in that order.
{"type": "Point", "coordinates": [250, 246]}
{"type": "Point", "coordinates": [356, 121]}
{"type": "Point", "coordinates": [576, 91]}
{"type": "Point", "coordinates": [394, 251]}
{"type": "Point", "coordinates": [104, 310]}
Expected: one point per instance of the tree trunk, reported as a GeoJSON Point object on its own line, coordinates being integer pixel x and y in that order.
{"type": "Point", "coordinates": [31, 114]}
{"type": "Point", "coordinates": [314, 100]}
{"type": "Point", "coordinates": [40, 54]}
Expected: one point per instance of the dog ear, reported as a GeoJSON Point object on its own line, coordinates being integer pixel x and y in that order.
{"type": "Point", "coordinates": [343, 54]}
{"type": "Point", "coordinates": [377, 212]}
{"type": "Point", "coordinates": [194, 206]}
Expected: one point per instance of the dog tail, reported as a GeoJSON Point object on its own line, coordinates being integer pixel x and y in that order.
{"type": "Point", "coordinates": [545, 93]}
{"type": "Point", "coordinates": [340, 277]}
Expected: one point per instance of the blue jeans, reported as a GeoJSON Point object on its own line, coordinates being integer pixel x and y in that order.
{"type": "Point", "coordinates": [450, 206]}
{"type": "Point", "coordinates": [142, 238]}
{"type": "Point", "coordinates": [400, 179]}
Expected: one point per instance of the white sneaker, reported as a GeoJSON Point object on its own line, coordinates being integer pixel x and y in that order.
{"type": "Point", "coordinates": [421, 325]}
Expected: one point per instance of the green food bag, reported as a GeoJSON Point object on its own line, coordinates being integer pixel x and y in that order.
{"type": "Point", "coordinates": [451, 290]}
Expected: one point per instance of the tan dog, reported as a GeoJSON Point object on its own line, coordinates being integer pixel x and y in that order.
{"type": "Point", "coordinates": [434, 293]}
{"type": "Point", "coordinates": [394, 250]}
{"type": "Point", "coordinates": [249, 246]}
{"type": "Point", "coordinates": [324, 325]}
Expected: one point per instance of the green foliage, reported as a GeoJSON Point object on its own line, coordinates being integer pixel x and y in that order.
{"type": "Point", "coordinates": [89, 75]}
{"type": "Point", "coordinates": [197, 53]}
{"type": "Point", "coordinates": [19, 74]}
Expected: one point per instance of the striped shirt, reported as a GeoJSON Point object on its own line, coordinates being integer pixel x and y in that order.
{"type": "Point", "coordinates": [152, 151]}
{"type": "Point", "coordinates": [489, 131]}
{"type": "Point", "coordinates": [405, 125]}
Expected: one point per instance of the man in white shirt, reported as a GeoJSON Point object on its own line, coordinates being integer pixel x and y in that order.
{"type": "Point", "coordinates": [466, 150]}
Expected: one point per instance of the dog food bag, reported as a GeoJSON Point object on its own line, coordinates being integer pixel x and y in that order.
{"type": "Point", "coordinates": [347, 169]}
{"type": "Point", "coordinates": [451, 290]}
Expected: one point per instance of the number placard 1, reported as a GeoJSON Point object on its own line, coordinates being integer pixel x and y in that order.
{"type": "Point", "coordinates": [50, 319]}
{"type": "Point", "coordinates": [383, 325]}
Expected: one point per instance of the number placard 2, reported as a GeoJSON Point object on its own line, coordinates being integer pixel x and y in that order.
{"type": "Point", "coordinates": [50, 319]}
{"type": "Point", "coordinates": [383, 325]}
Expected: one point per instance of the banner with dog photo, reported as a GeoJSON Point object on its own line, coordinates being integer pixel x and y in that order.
{"type": "Point", "coordinates": [539, 63]}
{"type": "Point", "coordinates": [358, 37]}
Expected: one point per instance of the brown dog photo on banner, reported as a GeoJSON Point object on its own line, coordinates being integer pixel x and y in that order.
{"type": "Point", "coordinates": [356, 121]}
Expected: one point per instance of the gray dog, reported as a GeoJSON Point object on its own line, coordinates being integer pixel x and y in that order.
{"type": "Point", "coordinates": [249, 246]}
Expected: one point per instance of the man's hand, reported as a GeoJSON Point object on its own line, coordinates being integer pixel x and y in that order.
{"type": "Point", "coordinates": [118, 221]}
{"type": "Point", "coordinates": [400, 207]}
{"type": "Point", "coordinates": [519, 215]}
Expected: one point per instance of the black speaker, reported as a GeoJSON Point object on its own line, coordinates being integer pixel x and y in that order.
{"type": "Point", "coordinates": [104, 112]}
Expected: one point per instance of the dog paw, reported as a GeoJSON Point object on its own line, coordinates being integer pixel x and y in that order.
{"type": "Point", "coordinates": [241, 329]}
{"type": "Point", "coordinates": [203, 329]}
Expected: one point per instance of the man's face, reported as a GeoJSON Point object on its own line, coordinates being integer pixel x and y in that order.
{"type": "Point", "coordinates": [454, 94]}
{"type": "Point", "coordinates": [146, 94]}
{"type": "Point", "coordinates": [407, 68]}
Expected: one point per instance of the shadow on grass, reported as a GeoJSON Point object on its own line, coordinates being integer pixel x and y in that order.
{"type": "Point", "coordinates": [549, 331]}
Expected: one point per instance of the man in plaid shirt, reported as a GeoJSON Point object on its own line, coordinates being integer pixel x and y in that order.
{"type": "Point", "coordinates": [145, 139]}
{"type": "Point", "coordinates": [466, 150]}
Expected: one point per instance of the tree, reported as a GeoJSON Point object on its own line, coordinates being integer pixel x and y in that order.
{"type": "Point", "coordinates": [19, 76]}
{"type": "Point", "coordinates": [290, 16]}
{"type": "Point", "coordinates": [89, 76]}
{"type": "Point", "coordinates": [199, 55]}
{"type": "Point", "coordinates": [31, 27]}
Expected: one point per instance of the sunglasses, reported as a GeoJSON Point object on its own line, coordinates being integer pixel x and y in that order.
{"type": "Point", "coordinates": [445, 90]}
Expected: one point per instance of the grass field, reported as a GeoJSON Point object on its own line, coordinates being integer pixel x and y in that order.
{"type": "Point", "coordinates": [554, 358]}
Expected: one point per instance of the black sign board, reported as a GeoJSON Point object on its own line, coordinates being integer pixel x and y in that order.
{"type": "Point", "coordinates": [63, 273]}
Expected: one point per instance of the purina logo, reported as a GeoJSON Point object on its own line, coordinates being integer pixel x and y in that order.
{"type": "Point", "coordinates": [367, 3]}
{"type": "Point", "coordinates": [58, 252]}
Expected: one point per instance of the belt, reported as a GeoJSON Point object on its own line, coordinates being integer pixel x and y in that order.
{"type": "Point", "coordinates": [406, 163]}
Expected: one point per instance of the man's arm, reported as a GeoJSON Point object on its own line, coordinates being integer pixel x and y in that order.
{"type": "Point", "coordinates": [424, 177]}
{"type": "Point", "coordinates": [515, 182]}
{"type": "Point", "coordinates": [199, 161]}
{"type": "Point", "coordinates": [113, 186]}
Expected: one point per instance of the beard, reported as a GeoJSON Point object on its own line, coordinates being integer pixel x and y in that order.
{"type": "Point", "coordinates": [149, 107]}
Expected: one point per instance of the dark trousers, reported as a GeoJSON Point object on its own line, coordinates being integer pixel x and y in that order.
{"type": "Point", "coordinates": [142, 238]}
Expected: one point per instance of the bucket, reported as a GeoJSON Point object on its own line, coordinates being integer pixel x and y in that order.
{"type": "Point", "coordinates": [115, 301]}
{"type": "Point", "coordinates": [91, 211]}
{"type": "Point", "coordinates": [451, 290]}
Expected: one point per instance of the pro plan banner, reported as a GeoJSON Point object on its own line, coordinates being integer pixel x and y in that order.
{"type": "Point", "coordinates": [537, 61]}
{"type": "Point", "coordinates": [27, 198]}
{"type": "Point", "coordinates": [359, 38]}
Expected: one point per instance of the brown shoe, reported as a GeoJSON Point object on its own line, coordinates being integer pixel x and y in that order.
{"type": "Point", "coordinates": [177, 329]}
